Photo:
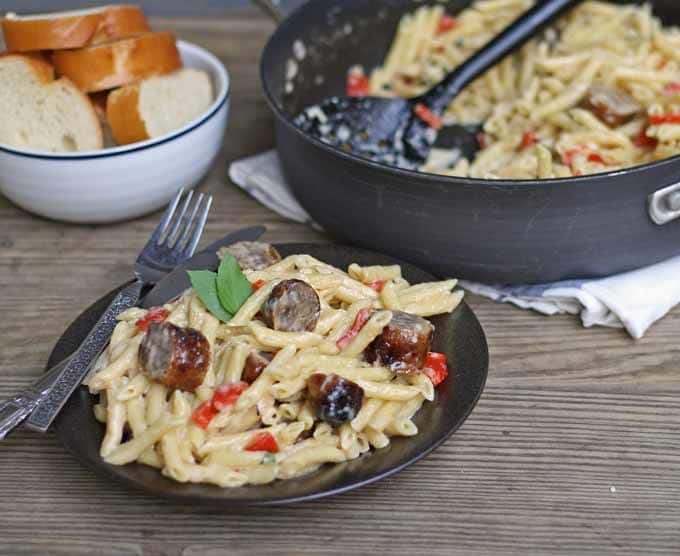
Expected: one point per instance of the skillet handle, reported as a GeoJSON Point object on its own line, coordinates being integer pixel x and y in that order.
{"type": "Point", "coordinates": [664, 205]}
{"type": "Point", "coordinates": [278, 10]}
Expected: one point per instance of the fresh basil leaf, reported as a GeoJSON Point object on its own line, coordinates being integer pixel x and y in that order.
{"type": "Point", "coordinates": [233, 287]}
{"type": "Point", "coordinates": [204, 283]}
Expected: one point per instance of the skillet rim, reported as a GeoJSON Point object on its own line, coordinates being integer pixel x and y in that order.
{"type": "Point", "coordinates": [426, 178]}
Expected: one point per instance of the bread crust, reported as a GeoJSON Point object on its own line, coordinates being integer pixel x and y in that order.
{"type": "Point", "coordinates": [118, 63]}
{"type": "Point", "coordinates": [77, 31]}
{"type": "Point", "coordinates": [122, 113]}
{"type": "Point", "coordinates": [44, 74]}
{"type": "Point", "coordinates": [49, 34]}
{"type": "Point", "coordinates": [119, 22]}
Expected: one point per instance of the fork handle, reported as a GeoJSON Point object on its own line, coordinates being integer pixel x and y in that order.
{"type": "Point", "coordinates": [15, 410]}
{"type": "Point", "coordinates": [50, 403]}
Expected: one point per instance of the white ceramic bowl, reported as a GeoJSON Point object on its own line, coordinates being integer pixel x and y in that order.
{"type": "Point", "coordinates": [121, 182]}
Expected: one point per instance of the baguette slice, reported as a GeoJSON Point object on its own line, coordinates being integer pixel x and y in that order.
{"type": "Point", "coordinates": [158, 105]}
{"type": "Point", "coordinates": [41, 113]}
{"type": "Point", "coordinates": [99, 104]}
{"type": "Point", "coordinates": [117, 63]}
{"type": "Point", "coordinates": [74, 29]}
{"type": "Point", "coordinates": [118, 22]}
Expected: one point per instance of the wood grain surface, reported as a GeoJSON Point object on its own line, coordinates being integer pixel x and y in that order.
{"type": "Point", "coordinates": [573, 449]}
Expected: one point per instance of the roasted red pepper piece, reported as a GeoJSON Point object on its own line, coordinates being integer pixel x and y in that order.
{"type": "Point", "coordinates": [429, 117]}
{"type": "Point", "coordinates": [446, 23]}
{"type": "Point", "coordinates": [529, 138]}
{"type": "Point", "coordinates": [358, 85]}
{"type": "Point", "coordinates": [672, 88]}
{"type": "Point", "coordinates": [263, 442]}
{"type": "Point", "coordinates": [155, 314]}
{"type": "Point", "coordinates": [203, 414]}
{"type": "Point", "coordinates": [227, 394]}
{"type": "Point", "coordinates": [357, 325]}
{"type": "Point", "coordinates": [644, 141]}
{"type": "Point", "coordinates": [568, 156]}
{"type": "Point", "coordinates": [378, 285]}
{"type": "Point", "coordinates": [257, 284]}
{"type": "Point", "coordinates": [224, 396]}
{"type": "Point", "coordinates": [595, 157]}
{"type": "Point", "coordinates": [665, 119]}
{"type": "Point", "coordinates": [435, 367]}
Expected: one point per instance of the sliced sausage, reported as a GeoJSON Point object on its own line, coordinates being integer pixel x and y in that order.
{"type": "Point", "coordinates": [292, 306]}
{"type": "Point", "coordinates": [174, 356]}
{"type": "Point", "coordinates": [612, 106]}
{"type": "Point", "coordinates": [336, 400]}
{"type": "Point", "coordinates": [255, 364]}
{"type": "Point", "coordinates": [403, 344]}
{"type": "Point", "coordinates": [252, 255]}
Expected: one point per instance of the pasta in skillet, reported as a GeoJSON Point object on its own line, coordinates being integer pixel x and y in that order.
{"type": "Point", "coordinates": [316, 366]}
{"type": "Point", "coordinates": [598, 91]}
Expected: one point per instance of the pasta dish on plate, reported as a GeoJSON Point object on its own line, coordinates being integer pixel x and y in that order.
{"type": "Point", "coordinates": [598, 91]}
{"type": "Point", "coordinates": [269, 368]}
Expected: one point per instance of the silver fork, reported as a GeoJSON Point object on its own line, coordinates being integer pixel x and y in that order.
{"type": "Point", "coordinates": [172, 242]}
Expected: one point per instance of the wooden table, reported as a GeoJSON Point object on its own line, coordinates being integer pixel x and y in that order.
{"type": "Point", "coordinates": [574, 447]}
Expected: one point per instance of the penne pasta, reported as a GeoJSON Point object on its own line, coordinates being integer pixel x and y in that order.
{"type": "Point", "coordinates": [534, 99]}
{"type": "Point", "coordinates": [131, 450]}
{"type": "Point", "coordinates": [367, 334]}
{"type": "Point", "coordinates": [253, 420]}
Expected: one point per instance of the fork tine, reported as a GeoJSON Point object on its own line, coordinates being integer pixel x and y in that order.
{"type": "Point", "coordinates": [167, 216]}
{"type": "Point", "coordinates": [171, 237]}
{"type": "Point", "coordinates": [188, 223]}
{"type": "Point", "coordinates": [198, 228]}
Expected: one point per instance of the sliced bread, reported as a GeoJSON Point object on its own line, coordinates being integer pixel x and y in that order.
{"type": "Point", "coordinates": [118, 22]}
{"type": "Point", "coordinates": [117, 63]}
{"type": "Point", "coordinates": [73, 29]}
{"type": "Point", "coordinates": [99, 104]}
{"type": "Point", "coordinates": [158, 105]}
{"type": "Point", "coordinates": [41, 113]}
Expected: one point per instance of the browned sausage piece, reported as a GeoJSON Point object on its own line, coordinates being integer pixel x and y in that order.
{"type": "Point", "coordinates": [252, 255]}
{"type": "Point", "coordinates": [255, 364]}
{"type": "Point", "coordinates": [403, 344]}
{"type": "Point", "coordinates": [612, 106]}
{"type": "Point", "coordinates": [293, 306]}
{"type": "Point", "coordinates": [336, 400]}
{"type": "Point", "coordinates": [174, 356]}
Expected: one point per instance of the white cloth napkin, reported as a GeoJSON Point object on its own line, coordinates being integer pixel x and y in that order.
{"type": "Point", "coordinates": [633, 300]}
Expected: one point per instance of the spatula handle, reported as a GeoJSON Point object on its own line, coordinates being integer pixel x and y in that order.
{"type": "Point", "coordinates": [514, 36]}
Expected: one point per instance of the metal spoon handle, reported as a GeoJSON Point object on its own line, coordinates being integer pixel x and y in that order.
{"type": "Point", "coordinates": [514, 36]}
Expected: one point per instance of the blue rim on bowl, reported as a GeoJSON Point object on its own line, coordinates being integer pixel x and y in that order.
{"type": "Point", "coordinates": [223, 85]}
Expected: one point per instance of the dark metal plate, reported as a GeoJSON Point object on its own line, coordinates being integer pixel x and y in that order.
{"type": "Point", "coordinates": [459, 335]}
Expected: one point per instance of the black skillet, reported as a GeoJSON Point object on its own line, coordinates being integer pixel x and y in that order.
{"type": "Point", "coordinates": [459, 335]}
{"type": "Point", "coordinates": [513, 231]}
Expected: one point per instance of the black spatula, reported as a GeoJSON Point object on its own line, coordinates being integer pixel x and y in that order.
{"type": "Point", "coordinates": [396, 131]}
